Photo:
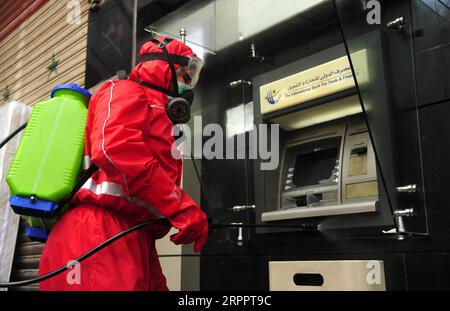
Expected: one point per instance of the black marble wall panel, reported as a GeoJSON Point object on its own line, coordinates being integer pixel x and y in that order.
{"type": "Point", "coordinates": [429, 271]}
{"type": "Point", "coordinates": [245, 273]}
{"type": "Point", "coordinates": [435, 132]}
{"type": "Point", "coordinates": [431, 23]}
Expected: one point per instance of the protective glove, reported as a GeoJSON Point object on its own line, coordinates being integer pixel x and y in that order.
{"type": "Point", "coordinates": [193, 226]}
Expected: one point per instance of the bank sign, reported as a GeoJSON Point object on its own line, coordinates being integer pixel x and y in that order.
{"type": "Point", "coordinates": [302, 87]}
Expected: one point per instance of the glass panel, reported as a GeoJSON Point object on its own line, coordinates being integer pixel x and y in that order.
{"type": "Point", "coordinates": [222, 173]}
{"type": "Point", "coordinates": [383, 59]}
{"type": "Point", "coordinates": [225, 177]}
{"type": "Point", "coordinates": [109, 41]}
{"type": "Point", "coordinates": [217, 24]}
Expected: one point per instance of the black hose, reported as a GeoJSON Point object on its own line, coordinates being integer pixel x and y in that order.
{"type": "Point", "coordinates": [17, 131]}
{"type": "Point", "coordinates": [86, 255]}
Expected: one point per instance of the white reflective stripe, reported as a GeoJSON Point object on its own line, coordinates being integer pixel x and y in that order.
{"type": "Point", "coordinates": [104, 188]}
{"type": "Point", "coordinates": [144, 204]}
{"type": "Point", "coordinates": [103, 136]}
{"type": "Point", "coordinates": [158, 106]}
{"type": "Point", "coordinates": [114, 189]}
{"type": "Point", "coordinates": [86, 162]}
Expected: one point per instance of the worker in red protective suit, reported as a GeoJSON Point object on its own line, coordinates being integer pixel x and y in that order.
{"type": "Point", "coordinates": [129, 138]}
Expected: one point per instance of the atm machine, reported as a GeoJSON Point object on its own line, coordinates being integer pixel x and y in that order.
{"type": "Point", "coordinates": [326, 170]}
{"type": "Point", "coordinates": [327, 182]}
{"type": "Point", "coordinates": [327, 175]}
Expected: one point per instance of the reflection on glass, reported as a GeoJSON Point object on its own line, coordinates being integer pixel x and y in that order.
{"type": "Point", "coordinates": [239, 119]}
{"type": "Point", "coordinates": [109, 41]}
{"type": "Point", "coordinates": [217, 24]}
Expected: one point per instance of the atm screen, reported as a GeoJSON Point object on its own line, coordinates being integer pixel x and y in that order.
{"type": "Point", "coordinates": [313, 167]}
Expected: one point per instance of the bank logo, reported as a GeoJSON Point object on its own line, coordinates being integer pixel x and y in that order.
{"type": "Point", "coordinates": [273, 97]}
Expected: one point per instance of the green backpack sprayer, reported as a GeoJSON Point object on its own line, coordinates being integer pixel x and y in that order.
{"type": "Point", "coordinates": [48, 161]}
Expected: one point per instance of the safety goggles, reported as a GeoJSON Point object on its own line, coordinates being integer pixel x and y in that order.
{"type": "Point", "coordinates": [193, 69]}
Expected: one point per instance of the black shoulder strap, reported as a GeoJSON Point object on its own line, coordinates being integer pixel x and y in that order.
{"type": "Point", "coordinates": [80, 182]}
{"type": "Point", "coordinates": [157, 88]}
{"type": "Point", "coordinates": [170, 59]}
{"type": "Point", "coordinates": [174, 58]}
{"type": "Point", "coordinates": [162, 46]}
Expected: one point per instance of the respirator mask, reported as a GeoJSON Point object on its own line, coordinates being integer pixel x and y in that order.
{"type": "Point", "coordinates": [181, 94]}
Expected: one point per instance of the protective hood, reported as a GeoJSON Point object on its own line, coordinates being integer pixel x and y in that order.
{"type": "Point", "coordinates": [158, 71]}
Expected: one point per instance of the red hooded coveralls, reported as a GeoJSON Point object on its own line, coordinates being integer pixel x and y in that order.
{"type": "Point", "coordinates": [129, 137]}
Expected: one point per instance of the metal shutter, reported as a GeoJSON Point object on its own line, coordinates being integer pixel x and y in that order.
{"type": "Point", "coordinates": [26, 260]}
{"type": "Point", "coordinates": [46, 38]}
